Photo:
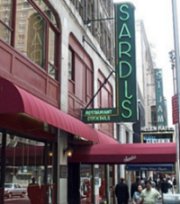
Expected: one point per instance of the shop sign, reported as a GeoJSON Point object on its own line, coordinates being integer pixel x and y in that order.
{"type": "Point", "coordinates": [98, 115]}
{"type": "Point", "coordinates": [125, 70]}
{"type": "Point", "coordinates": [150, 167]}
{"type": "Point", "coordinates": [157, 137]}
{"type": "Point", "coordinates": [175, 109]}
{"type": "Point", "coordinates": [125, 62]}
{"type": "Point", "coordinates": [130, 158]}
{"type": "Point", "coordinates": [160, 103]}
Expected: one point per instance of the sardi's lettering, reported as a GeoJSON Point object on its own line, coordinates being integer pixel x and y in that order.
{"type": "Point", "coordinates": [126, 66]}
{"type": "Point", "coordinates": [125, 70]}
{"type": "Point", "coordinates": [129, 158]}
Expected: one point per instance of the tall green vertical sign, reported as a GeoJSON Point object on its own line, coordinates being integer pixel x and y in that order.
{"type": "Point", "coordinates": [125, 61]}
{"type": "Point", "coordinates": [160, 103]}
{"type": "Point", "coordinates": [125, 70]}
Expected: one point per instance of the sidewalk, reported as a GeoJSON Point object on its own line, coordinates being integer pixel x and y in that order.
{"type": "Point", "coordinates": [158, 202]}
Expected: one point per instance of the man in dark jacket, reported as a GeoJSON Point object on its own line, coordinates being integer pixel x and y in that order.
{"type": "Point", "coordinates": [164, 185]}
{"type": "Point", "coordinates": [122, 192]}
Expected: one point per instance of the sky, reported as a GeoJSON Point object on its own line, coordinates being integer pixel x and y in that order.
{"type": "Point", "coordinates": [157, 18]}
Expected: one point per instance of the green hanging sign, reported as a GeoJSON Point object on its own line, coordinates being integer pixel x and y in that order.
{"type": "Point", "coordinates": [125, 70]}
{"type": "Point", "coordinates": [160, 102]}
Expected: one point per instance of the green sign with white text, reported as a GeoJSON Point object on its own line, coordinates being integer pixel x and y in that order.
{"type": "Point", "coordinates": [125, 62]}
{"type": "Point", "coordinates": [99, 115]}
{"type": "Point", "coordinates": [125, 70]}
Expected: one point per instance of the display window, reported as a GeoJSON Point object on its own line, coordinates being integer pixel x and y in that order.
{"type": "Point", "coordinates": [28, 171]}
{"type": "Point", "coordinates": [86, 184]}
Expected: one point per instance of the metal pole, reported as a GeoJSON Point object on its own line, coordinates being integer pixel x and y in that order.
{"type": "Point", "coordinates": [177, 66]}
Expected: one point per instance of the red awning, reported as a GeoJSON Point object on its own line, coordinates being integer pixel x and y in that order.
{"type": "Point", "coordinates": [15, 100]}
{"type": "Point", "coordinates": [126, 153]}
{"type": "Point", "coordinates": [105, 139]}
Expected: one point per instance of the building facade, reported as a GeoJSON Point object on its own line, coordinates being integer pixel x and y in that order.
{"type": "Point", "coordinates": [57, 58]}
{"type": "Point", "coordinates": [51, 65]}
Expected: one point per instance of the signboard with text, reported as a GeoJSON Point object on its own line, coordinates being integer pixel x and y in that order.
{"type": "Point", "coordinates": [125, 70]}
{"type": "Point", "coordinates": [175, 109]}
{"type": "Point", "coordinates": [157, 137]}
{"type": "Point", "coordinates": [160, 103]}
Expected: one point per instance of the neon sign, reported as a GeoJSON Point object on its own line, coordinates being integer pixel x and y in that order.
{"type": "Point", "coordinates": [125, 61]}
{"type": "Point", "coordinates": [125, 70]}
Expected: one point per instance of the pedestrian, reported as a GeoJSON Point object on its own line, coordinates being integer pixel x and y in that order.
{"type": "Point", "coordinates": [170, 185]}
{"type": "Point", "coordinates": [136, 199]}
{"type": "Point", "coordinates": [122, 192]}
{"type": "Point", "coordinates": [135, 185]}
{"type": "Point", "coordinates": [164, 185]}
{"type": "Point", "coordinates": [34, 192]}
{"type": "Point", "coordinates": [149, 195]}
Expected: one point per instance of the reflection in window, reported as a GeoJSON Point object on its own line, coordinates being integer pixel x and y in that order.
{"type": "Point", "coordinates": [24, 160]}
{"type": "Point", "coordinates": [71, 65]}
{"type": "Point", "coordinates": [86, 183]}
{"type": "Point", "coordinates": [27, 158]}
{"type": "Point", "coordinates": [36, 31]}
{"type": "Point", "coordinates": [51, 68]}
{"type": "Point", "coordinates": [36, 39]}
{"type": "Point", "coordinates": [5, 21]}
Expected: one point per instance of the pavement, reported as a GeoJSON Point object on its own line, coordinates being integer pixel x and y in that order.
{"type": "Point", "coordinates": [158, 202]}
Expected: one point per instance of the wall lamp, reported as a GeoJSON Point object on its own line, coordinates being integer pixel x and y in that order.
{"type": "Point", "coordinates": [89, 21]}
{"type": "Point", "coordinates": [50, 154]}
{"type": "Point", "coordinates": [68, 151]}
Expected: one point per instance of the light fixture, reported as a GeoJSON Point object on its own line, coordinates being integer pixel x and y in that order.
{"type": "Point", "coordinates": [68, 151]}
{"type": "Point", "coordinates": [50, 153]}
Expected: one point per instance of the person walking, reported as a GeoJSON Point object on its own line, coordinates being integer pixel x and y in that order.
{"type": "Point", "coordinates": [164, 185]}
{"type": "Point", "coordinates": [122, 192]}
{"type": "Point", "coordinates": [135, 185]}
{"type": "Point", "coordinates": [149, 195]}
{"type": "Point", "coordinates": [136, 199]}
{"type": "Point", "coordinates": [34, 192]}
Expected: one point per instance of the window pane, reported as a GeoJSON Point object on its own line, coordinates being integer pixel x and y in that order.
{"type": "Point", "coordinates": [5, 33]}
{"type": "Point", "coordinates": [46, 10]}
{"type": "Point", "coordinates": [36, 39]}
{"type": "Point", "coordinates": [30, 33]}
{"type": "Point", "coordinates": [70, 65]}
{"type": "Point", "coordinates": [27, 159]}
{"type": "Point", "coordinates": [5, 11]}
{"type": "Point", "coordinates": [86, 184]}
{"type": "Point", "coordinates": [52, 71]}
{"type": "Point", "coordinates": [5, 20]}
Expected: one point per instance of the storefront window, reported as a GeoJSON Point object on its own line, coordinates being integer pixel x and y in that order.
{"type": "Point", "coordinates": [86, 184]}
{"type": "Point", "coordinates": [102, 183]}
{"type": "Point", "coordinates": [29, 171]}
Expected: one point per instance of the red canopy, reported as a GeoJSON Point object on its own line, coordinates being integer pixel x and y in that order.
{"type": "Point", "coordinates": [105, 139]}
{"type": "Point", "coordinates": [125, 153]}
{"type": "Point", "coordinates": [15, 100]}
